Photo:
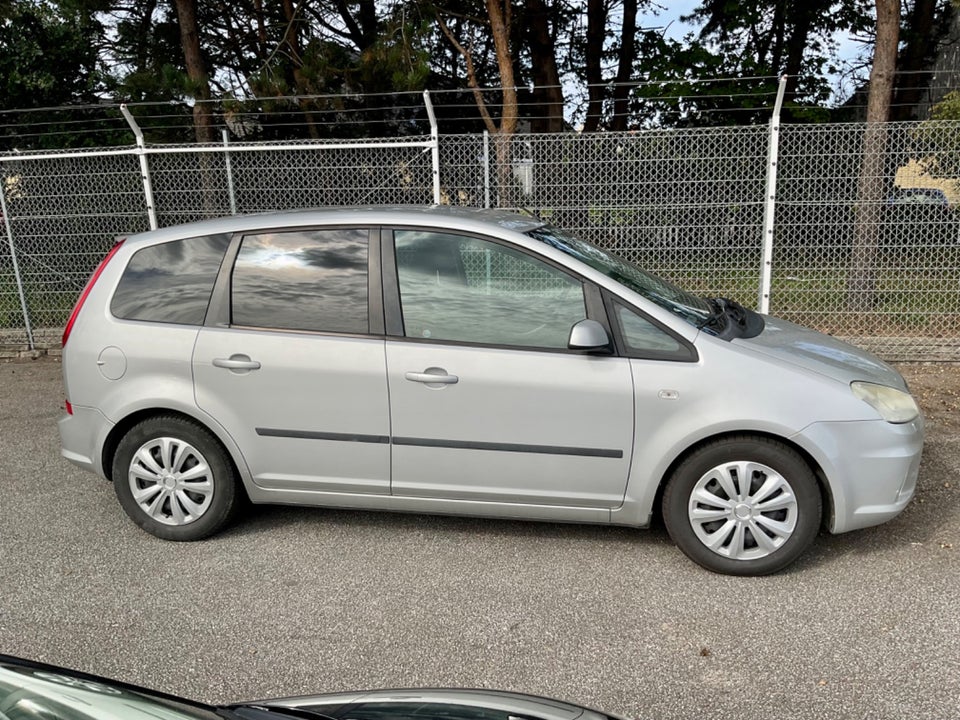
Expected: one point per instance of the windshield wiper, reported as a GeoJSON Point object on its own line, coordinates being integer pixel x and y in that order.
{"type": "Point", "coordinates": [729, 319]}
{"type": "Point", "coordinates": [717, 314]}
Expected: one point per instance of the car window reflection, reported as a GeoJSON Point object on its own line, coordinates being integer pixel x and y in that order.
{"type": "Point", "coordinates": [170, 282]}
{"type": "Point", "coordinates": [312, 280]}
{"type": "Point", "coordinates": [470, 290]}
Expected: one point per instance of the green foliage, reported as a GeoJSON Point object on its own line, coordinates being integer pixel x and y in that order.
{"type": "Point", "coordinates": [936, 142]}
{"type": "Point", "coordinates": [768, 39]}
{"type": "Point", "coordinates": [148, 60]}
{"type": "Point", "coordinates": [364, 55]}
{"type": "Point", "coordinates": [948, 108]}
{"type": "Point", "coordinates": [48, 58]}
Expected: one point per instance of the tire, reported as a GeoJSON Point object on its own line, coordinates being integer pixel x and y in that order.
{"type": "Point", "coordinates": [174, 479]}
{"type": "Point", "coordinates": [756, 531]}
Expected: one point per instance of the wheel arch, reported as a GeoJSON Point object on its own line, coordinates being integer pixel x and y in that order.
{"type": "Point", "coordinates": [123, 426]}
{"type": "Point", "coordinates": [824, 487]}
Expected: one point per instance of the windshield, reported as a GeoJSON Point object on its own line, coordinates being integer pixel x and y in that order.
{"type": "Point", "coordinates": [28, 693]}
{"type": "Point", "coordinates": [681, 303]}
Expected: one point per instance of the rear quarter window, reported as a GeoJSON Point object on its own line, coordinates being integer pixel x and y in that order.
{"type": "Point", "coordinates": [170, 282]}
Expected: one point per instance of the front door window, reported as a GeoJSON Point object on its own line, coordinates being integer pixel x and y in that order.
{"type": "Point", "coordinates": [464, 289]}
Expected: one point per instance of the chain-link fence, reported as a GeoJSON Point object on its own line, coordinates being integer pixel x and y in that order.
{"type": "Point", "coordinates": [870, 258]}
{"type": "Point", "coordinates": [882, 270]}
{"type": "Point", "coordinates": [62, 213]}
{"type": "Point", "coordinates": [687, 205]}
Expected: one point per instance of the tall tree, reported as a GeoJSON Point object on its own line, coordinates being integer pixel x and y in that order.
{"type": "Point", "coordinates": [597, 16]}
{"type": "Point", "coordinates": [927, 23]}
{"type": "Point", "coordinates": [625, 66]}
{"type": "Point", "coordinates": [497, 25]}
{"type": "Point", "coordinates": [861, 281]}
{"type": "Point", "coordinates": [612, 38]}
{"type": "Point", "coordinates": [771, 38]}
{"type": "Point", "coordinates": [501, 19]}
{"type": "Point", "coordinates": [48, 58]}
{"type": "Point", "coordinates": [541, 21]}
{"type": "Point", "coordinates": [196, 70]}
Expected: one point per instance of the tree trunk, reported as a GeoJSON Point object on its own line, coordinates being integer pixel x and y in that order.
{"type": "Point", "coordinates": [196, 70]}
{"type": "Point", "coordinates": [500, 16]}
{"type": "Point", "coordinates": [628, 55]}
{"type": "Point", "coordinates": [862, 280]}
{"type": "Point", "coordinates": [596, 31]}
{"type": "Point", "coordinates": [921, 47]}
{"type": "Point", "coordinates": [363, 26]}
{"type": "Point", "coordinates": [796, 46]}
{"type": "Point", "coordinates": [500, 19]}
{"type": "Point", "coordinates": [547, 92]}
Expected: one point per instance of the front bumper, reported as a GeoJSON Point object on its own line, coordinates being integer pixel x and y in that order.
{"type": "Point", "coordinates": [871, 468]}
{"type": "Point", "coordinates": [81, 438]}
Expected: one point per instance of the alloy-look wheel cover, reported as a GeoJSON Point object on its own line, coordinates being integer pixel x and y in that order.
{"type": "Point", "coordinates": [171, 481]}
{"type": "Point", "coordinates": [743, 510]}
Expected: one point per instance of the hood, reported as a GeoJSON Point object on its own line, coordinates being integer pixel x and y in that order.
{"type": "Point", "coordinates": [821, 354]}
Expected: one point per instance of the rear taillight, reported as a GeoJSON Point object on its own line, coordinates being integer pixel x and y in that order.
{"type": "Point", "coordinates": [68, 407]}
{"type": "Point", "coordinates": [86, 291]}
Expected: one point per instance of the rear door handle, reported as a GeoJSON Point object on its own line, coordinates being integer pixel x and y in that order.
{"type": "Point", "coordinates": [236, 362]}
{"type": "Point", "coordinates": [432, 376]}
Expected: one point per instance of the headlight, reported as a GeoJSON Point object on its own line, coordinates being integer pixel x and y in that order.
{"type": "Point", "coordinates": [894, 406]}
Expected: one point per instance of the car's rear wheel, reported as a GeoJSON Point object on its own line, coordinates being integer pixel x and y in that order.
{"type": "Point", "coordinates": [174, 479]}
{"type": "Point", "coordinates": [743, 506]}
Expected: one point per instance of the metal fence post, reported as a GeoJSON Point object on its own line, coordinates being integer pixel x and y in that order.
{"type": "Point", "coordinates": [486, 169]}
{"type": "Point", "coordinates": [144, 167]}
{"type": "Point", "coordinates": [770, 202]}
{"type": "Point", "coordinates": [435, 146]}
{"type": "Point", "coordinates": [229, 164]}
{"type": "Point", "coordinates": [13, 258]}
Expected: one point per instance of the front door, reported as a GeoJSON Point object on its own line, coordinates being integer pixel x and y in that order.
{"type": "Point", "coordinates": [487, 402]}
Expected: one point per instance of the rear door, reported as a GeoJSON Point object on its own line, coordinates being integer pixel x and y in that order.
{"type": "Point", "coordinates": [487, 402]}
{"type": "Point", "coordinates": [291, 360]}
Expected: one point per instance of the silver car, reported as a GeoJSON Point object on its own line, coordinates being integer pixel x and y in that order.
{"type": "Point", "coordinates": [453, 361]}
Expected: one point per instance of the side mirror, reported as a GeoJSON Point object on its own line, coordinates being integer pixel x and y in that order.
{"type": "Point", "coordinates": [588, 335]}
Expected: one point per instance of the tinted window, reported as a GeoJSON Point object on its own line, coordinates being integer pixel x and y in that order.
{"type": "Point", "coordinates": [469, 290]}
{"type": "Point", "coordinates": [311, 280]}
{"type": "Point", "coordinates": [170, 282]}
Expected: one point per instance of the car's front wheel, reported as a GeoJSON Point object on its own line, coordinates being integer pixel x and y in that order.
{"type": "Point", "coordinates": [174, 479]}
{"type": "Point", "coordinates": [743, 506]}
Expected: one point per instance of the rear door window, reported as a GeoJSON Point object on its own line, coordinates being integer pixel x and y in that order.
{"type": "Point", "coordinates": [312, 280]}
{"type": "Point", "coordinates": [170, 282]}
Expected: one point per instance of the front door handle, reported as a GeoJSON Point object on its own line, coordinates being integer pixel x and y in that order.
{"type": "Point", "coordinates": [236, 362]}
{"type": "Point", "coordinates": [433, 376]}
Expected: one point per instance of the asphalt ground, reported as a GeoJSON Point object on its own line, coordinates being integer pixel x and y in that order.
{"type": "Point", "coordinates": [291, 601]}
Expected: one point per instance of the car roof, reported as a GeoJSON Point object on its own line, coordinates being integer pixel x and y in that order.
{"type": "Point", "coordinates": [438, 216]}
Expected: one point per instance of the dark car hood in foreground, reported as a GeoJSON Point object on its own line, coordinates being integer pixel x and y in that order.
{"type": "Point", "coordinates": [447, 704]}
{"type": "Point", "coordinates": [37, 690]}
